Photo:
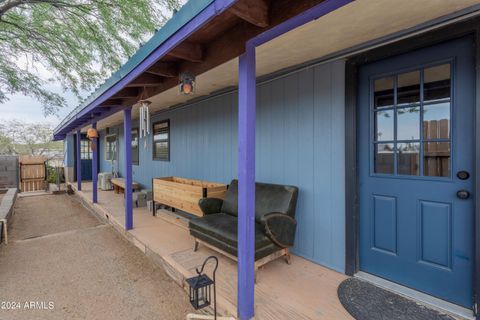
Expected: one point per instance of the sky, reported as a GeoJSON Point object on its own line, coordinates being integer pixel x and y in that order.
{"type": "Point", "coordinates": [27, 109]}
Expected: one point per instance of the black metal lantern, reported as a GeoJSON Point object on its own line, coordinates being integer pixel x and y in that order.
{"type": "Point", "coordinates": [200, 291]}
{"type": "Point", "coordinates": [201, 286]}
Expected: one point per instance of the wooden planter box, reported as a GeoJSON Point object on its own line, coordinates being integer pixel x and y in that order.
{"type": "Point", "coordinates": [183, 194]}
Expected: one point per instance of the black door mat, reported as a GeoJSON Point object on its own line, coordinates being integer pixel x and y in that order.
{"type": "Point", "coordinates": [365, 301]}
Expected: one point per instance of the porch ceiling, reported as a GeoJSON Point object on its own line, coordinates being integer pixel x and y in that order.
{"type": "Point", "coordinates": [356, 23]}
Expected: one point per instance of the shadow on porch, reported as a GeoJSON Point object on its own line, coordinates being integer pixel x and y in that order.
{"type": "Point", "coordinates": [302, 290]}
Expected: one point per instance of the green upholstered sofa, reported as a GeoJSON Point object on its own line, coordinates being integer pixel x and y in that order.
{"type": "Point", "coordinates": [275, 222]}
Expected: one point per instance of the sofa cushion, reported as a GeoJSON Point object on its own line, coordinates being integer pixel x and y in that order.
{"type": "Point", "coordinates": [225, 247]}
{"type": "Point", "coordinates": [223, 227]}
{"type": "Point", "coordinates": [268, 198]}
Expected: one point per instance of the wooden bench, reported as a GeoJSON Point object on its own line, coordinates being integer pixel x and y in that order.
{"type": "Point", "coordinates": [119, 185]}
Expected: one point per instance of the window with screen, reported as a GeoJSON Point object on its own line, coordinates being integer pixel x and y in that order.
{"type": "Point", "coordinates": [110, 147]}
{"type": "Point", "coordinates": [161, 140]}
{"type": "Point", "coordinates": [135, 154]}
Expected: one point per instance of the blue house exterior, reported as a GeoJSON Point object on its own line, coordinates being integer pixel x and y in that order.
{"type": "Point", "coordinates": [298, 127]}
{"type": "Point", "coordinates": [379, 136]}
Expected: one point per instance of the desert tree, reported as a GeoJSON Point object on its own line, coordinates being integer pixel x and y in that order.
{"type": "Point", "coordinates": [19, 137]}
{"type": "Point", "coordinates": [79, 42]}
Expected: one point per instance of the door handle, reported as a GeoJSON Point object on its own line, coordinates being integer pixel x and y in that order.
{"type": "Point", "coordinates": [463, 194]}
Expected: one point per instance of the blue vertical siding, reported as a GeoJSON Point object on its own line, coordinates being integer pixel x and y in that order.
{"type": "Point", "coordinates": [300, 141]}
{"type": "Point", "coordinates": [68, 151]}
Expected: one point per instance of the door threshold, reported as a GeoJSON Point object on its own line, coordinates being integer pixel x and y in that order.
{"type": "Point", "coordinates": [420, 297]}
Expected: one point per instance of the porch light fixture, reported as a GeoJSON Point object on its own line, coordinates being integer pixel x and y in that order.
{"type": "Point", "coordinates": [92, 133]}
{"type": "Point", "coordinates": [187, 83]}
{"type": "Point", "coordinates": [200, 292]}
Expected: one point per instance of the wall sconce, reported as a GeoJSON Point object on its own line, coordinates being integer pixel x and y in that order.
{"type": "Point", "coordinates": [92, 133]}
{"type": "Point", "coordinates": [187, 83]}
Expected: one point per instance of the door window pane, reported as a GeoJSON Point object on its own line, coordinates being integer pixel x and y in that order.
{"type": "Point", "coordinates": [437, 82]}
{"type": "Point", "coordinates": [383, 95]}
{"type": "Point", "coordinates": [408, 87]}
{"type": "Point", "coordinates": [408, 158]}
{"type": "Point", "coordinates": [384, 125]}
{"type": "Point", "coordinates": [408, 123]}
{"type": "Point", "coordinates": [384, 158]}
{"type": "Point", "coordinates": [85, 150]}
{"type": "Point", "coordinates": [436, 121]}
{"type": "Point", "coordinates": [436, 159]}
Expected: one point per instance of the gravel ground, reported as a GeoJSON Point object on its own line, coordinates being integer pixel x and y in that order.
{"type": "Point", "coordinates": [60, 255]}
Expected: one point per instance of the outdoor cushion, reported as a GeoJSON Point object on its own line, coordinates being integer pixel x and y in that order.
{"type": "Point", "coordinates": [232, 249]}
{"type": "Point", "coordinates": [224, 227]}
{"type": "Point", "coordinates": [268, 198]}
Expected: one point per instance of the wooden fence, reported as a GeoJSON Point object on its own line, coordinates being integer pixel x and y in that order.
{"type": "Point", "coordinates": [33, 174]}
{"type": "Point", "coordinates": [436, 155]}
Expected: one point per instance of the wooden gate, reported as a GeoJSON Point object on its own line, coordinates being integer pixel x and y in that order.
{"type": "Point", "coordinates": [33, 173]}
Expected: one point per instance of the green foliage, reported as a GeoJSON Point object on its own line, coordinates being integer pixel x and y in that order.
{"type": "Point", "coordinates": [79, 41]}
{"type": "Point", "coordinates": [52, 175]}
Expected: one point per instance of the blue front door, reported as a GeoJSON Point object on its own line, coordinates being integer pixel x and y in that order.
{"type": "Point", "coordinates": [415, 162]}
{"type": "Point", "coordinates": [86, 159]}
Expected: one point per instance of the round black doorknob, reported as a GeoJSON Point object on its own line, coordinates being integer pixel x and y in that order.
{"type": "Point", "coordinates": [463, 175]}
{"type": "Point", "coordinates": [463, 194]}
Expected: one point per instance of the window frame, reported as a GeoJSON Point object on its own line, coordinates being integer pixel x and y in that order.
{"type": "Point", "coordinates": [106, 145]}
{"type": "Point", "coordinates": [420, 140]}
{"type": "Point", "coordinates": [137, 132]}
{"type": "Point", "coordinates": [86, 152]}
{"type": "Point", "coordinates": [167, 121]}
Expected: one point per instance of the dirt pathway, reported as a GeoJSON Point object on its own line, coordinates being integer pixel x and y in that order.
{"type": "Point", "coordinates": [71, 266]}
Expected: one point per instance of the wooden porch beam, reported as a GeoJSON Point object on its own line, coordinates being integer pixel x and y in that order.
{"type": "Point", "coordinates": [188, 51]}
{"type": "Point", "coordinates": [94, 167]}
{"type": "Point", "coordinates": [252, 11]}
{"type": "Point", "coordinates": [127, 140]}
{"type": "Point", "coordinates": [78, 160]}
{"type": "Point", "coordinates": [246, 183]}
{"type": "Point", "coordinates": [164, 69]}
{"type": "Point", "coordinates": [146, 80]}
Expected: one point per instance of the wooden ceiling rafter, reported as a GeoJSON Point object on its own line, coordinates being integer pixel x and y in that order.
{"type": "Point", "coordinates": [252, 11]}
{"type": "Point", "coordinates": [112, 102]}
{"type": "Point", "coordinates": [188, 51]}
{"type": "Point", "coordinates": [164, 69]}
{"type": "Point", "coordinates": [146, 80]}
{"type": "Point", "coordinates": [199, 58]}
{"type": "Point", "coordinates": [126, 93]}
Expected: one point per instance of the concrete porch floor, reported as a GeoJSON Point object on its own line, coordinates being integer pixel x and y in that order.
{"type": "Point", "coordinates": [302, 290]}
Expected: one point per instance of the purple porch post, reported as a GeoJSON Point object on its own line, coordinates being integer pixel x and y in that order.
{"type": "Point", "coordinates": [127, 133]}
{"type": "Point", "coordinates": [94, 166]}
{"type": "Point", "coordinates": [79, 161]}
{"type": "Point", "coordinates": [246, 183]}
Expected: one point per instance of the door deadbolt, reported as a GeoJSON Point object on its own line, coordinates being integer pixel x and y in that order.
{"type": "Point", "coordinates": [463, 175]}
